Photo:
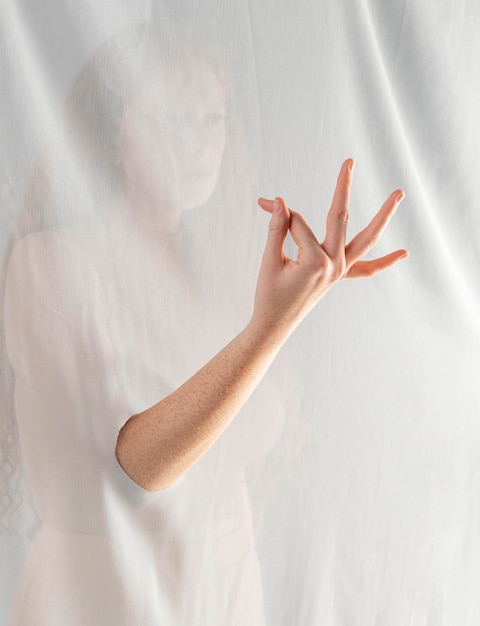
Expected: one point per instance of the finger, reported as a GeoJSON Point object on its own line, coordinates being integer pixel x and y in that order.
{"type": "Point", "coordinates": [304, 237]}
{"type": "Point", "coordinates": [365, 269]}
{"type": "Point", "coordinates": [277, 230]}
{"type": "Point", "coordinates": [301, 232]}
{"type": "Point", "coordinates": [369, 236]}
{"type": "Point", "coordinates": [266, 204]}
{"type": "Point", "coordinates": [337, 218]}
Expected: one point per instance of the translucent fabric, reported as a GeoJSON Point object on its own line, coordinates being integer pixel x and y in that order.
{"type": "Point", "coordinates": [136, 138]}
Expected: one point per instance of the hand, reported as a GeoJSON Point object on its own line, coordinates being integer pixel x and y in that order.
{"type": "Point", "coordinates": [288, 289]}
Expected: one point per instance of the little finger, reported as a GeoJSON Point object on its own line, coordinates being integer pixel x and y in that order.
{"type": "Point", "coordinates": [365, 269]}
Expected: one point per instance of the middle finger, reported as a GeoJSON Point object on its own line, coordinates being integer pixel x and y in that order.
{"type": "Point", "coordinates": [337, 218]}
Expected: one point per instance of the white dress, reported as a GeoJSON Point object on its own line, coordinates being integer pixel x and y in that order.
{"type": "Point", "coordinates": [94, 337]}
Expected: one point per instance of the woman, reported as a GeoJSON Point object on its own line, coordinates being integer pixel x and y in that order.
{"type": "Point", "coordinates": [135, 461]}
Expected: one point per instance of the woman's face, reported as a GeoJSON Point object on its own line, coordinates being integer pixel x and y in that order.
{"type": "Point", "coordinates": [172, 138]}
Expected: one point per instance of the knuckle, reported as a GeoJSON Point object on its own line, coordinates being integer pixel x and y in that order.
{"type": "Point", "coordinates": [339, 269]}
{"type": "Point", "coordinates": [333, 269]}
{"type": "Point", "coordinates": [339, 274]}
{"type": "Point", "coordinates": [343, 216]}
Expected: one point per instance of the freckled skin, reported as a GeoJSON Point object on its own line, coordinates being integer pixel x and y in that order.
{"type": "Point", "coordinates": [157, 446]}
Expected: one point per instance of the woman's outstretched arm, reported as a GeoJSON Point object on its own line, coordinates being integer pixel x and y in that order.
{"type": "Point", "coordinates": [156, 447]}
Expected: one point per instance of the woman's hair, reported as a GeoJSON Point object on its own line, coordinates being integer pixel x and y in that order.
{"type": "Point", "coordinates": [80, 173]}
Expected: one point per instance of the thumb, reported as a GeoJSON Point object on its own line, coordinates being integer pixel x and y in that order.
{"type": "Point", "coordinates": [277, 230]}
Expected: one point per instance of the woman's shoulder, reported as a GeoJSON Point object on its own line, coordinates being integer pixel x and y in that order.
{"type": "Point", "coordinates": [45, 243]}
{"type": "Point", "coordinates": [54, 267]}
{"type": "Point", "coordinates": [51, 253]}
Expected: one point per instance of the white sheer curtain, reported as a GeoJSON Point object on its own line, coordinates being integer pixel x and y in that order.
{"type": "Point", "coordinates": [347, 490]}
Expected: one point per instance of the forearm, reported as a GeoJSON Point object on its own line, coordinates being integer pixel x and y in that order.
{"type": "Point", "coordinates": [156, 447]}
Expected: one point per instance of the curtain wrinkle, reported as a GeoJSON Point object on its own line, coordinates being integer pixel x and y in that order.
{"type": "Point", "coordinates": [420, 178]}
{"type": "Point", "coordinates": [136, 139]}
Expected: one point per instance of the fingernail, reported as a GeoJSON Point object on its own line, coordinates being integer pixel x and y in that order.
{"type": "Point", "coordinates": [351, 165]}
{"type": "Point", "coordinates": [277, 205]}
{"type": "Point", "coordinates": [404, 256]}
{"type": "Point", "coordinates": [400, 196]}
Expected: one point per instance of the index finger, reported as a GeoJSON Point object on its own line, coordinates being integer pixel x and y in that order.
{"type": "Point", "coordinates": [302, 235]}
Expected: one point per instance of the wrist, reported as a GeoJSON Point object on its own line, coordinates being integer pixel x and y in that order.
{"type": "Point", "coordinates": [270, 332]}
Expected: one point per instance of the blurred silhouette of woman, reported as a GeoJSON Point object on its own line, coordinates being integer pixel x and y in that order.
{"type": "Point", "coordinates": [126, 328]}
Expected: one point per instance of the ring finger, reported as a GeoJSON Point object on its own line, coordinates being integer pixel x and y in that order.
{"type": "Point", "coordinates": [369, 236]}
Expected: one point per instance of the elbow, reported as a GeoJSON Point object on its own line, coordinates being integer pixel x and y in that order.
{"type": "Point", "coordinates": [135, 463]}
